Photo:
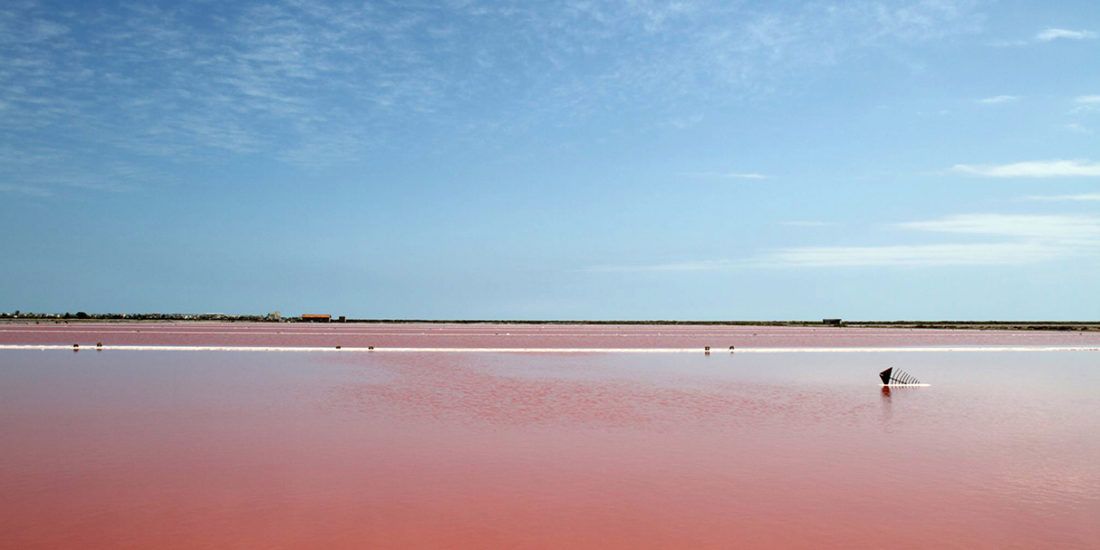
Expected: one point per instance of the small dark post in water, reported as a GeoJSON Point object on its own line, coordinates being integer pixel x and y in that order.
{"type": "Point", "coordinates": [731, 349]}
{"type": "Point", "coordinates": [370, 348]}
{"type": "Point", "coordinates": [99, 346]}
{"type": "Point", "coordinates": [76, 347]}
{"type": "Point", "coordinates": [337, 347]}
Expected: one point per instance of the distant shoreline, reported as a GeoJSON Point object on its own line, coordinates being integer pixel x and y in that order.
{"type": "Point", "coordinates": [53, 318]}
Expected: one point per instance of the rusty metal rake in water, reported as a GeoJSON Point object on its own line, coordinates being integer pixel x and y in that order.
{"type": "Point", "coordinates": [898, 377]}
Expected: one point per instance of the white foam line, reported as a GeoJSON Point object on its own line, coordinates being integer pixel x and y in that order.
{"type": "Point", "coordinates": [552, 350]}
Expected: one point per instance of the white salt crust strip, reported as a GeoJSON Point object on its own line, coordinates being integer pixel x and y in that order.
{"type": "Point", "coordinates": [322, 331]}
{"type": "Point", "coordinates": [715, 350]}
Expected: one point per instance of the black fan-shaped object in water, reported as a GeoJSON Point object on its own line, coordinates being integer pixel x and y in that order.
{"type": "Point", "coordinates": [897, 376]}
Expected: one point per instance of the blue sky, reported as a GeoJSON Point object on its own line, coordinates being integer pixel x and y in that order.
{"type": "Point", "coordinates": [932, 159]}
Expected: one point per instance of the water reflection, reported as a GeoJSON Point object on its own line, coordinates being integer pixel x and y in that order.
{"type": "Point", "coordinates": [887, 408]}
{"type": "Point", "coordinates": [518, 391]}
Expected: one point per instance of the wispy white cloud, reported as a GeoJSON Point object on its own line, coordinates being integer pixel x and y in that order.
{"type": "Point", "coordinates": [29, 190]}
{"type": "Point", "coordinates": [727, 175]}
{"type": "Point", "coordinates": [1010, 240]}
{"type": "Point", "coordinates": [805, 223]}
{"type": "Point", "coordinates": [917, 255]}
{"type": "Point", "coordinates": [744, 176]}
{"type": "Point", "coordinates": [1032, 169]}
{"type": "Point", "coordinates": [1078, 128]}
{"type": "Point", "coordinates": [1086, 104]}
{"type": "Point", "coordinates": [921, 255]}
{"type": "Point", "coordinates": [46, 171]}
{"type": "Point", "coordinates": [1046, 35]}
{"type": "Point", "coordinates": [1008, 43]}
{"type": "Point", "coordinates": [310, 81]}
{"type": "Point", "coordinates": [998, 99]}
{"type": "Point", "coordinates": [1026, 239]}
{"type": "Point", "coordinates": [703, 265]}
{"type": "Point", "coordinates": [1063, 198]}
{"type": "Point", "coordinates": [1057, 228]}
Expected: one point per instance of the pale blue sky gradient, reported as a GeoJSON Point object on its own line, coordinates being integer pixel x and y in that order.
{"type": "Point", "coordinates": [932, 159]}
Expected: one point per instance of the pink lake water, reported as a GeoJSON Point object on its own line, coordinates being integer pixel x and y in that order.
{"type": "Point", "coordinates": [186, 449]}
{"type": "Point", "coordinates": [434, 335]}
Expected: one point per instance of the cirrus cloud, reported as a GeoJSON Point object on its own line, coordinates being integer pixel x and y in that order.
{"type": "Point", "coordinates": [323, 82]}
{"type": "Point", "coordinates": [997, 99]}
{"type": "Point", "coordinates": [1032, 169]}
{"type": "Point", "coordinates": [1063, 198]}
{"type": "Point", "coordinates": [1046, 35]}
{"type": "Point", "coordinates": [1008, 239]}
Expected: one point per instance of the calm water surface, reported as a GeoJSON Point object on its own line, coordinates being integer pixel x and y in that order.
{"type": "Point", "coordinates": [168, 449]}
{"type": "Point", "coordinates": [489, 335]}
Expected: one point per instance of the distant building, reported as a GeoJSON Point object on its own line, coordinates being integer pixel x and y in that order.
{"type": "Point", "coordinates": [316, 317]}
{"type": "Point", "coordinates": [833, 322]}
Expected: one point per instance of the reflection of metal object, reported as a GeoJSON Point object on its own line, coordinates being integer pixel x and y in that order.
{"type": "Point", "coordinates": [898, 377]}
